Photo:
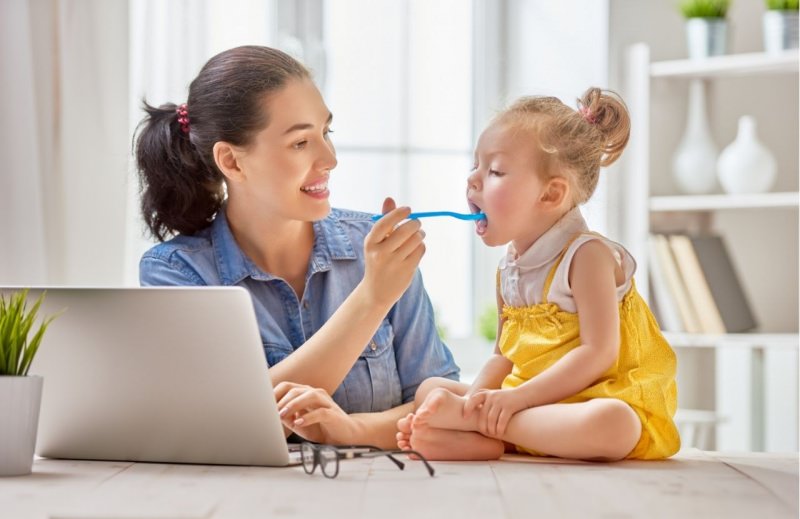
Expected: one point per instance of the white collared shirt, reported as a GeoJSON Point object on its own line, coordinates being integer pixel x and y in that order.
{"type": "Point", "coordinates": [522, 276]}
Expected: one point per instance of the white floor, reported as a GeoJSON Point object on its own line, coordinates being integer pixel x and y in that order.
{"type": "Point", "coordinates": [693, 484]}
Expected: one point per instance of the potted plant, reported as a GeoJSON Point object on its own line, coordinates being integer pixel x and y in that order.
{"type": "Point", "coordinates": [20, 394]}
{"type": "Point", "coordinates": [780, 25]}
{"type": "Point", "coordinates": [706, 27]}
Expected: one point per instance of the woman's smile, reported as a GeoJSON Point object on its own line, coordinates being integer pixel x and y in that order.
{"type": "Point", "coordinates": [318, 189]}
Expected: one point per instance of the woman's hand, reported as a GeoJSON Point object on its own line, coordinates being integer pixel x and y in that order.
{"type": "Point", "coordinates": [392, 253]}
{"type": "Point", "coordinates": [496, 407]}
{"type": "Point", "coordinates": [311, 413]}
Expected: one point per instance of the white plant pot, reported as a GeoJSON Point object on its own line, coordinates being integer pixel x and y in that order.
{"type": "Point", "coordinates": [20, 399]}
{"type": "Point", "coordinates": [694, 162]}
{"type": "Point", "coordinates": [780, 31]}
{"type": "Point", "coordinates": [745, 165]}
{"type": "Point", "coordinates": [706, 37]}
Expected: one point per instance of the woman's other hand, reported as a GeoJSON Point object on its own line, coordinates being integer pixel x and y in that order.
{"type": "Point", "coordinates": [311, 413]}
{"type": "Point", "coordinates": [392, 253]}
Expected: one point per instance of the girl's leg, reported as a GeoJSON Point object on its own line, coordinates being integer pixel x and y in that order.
{"type": "Point", "coordinates": [600, 429]}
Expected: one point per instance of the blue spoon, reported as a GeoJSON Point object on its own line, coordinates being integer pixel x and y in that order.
{"type": "Point", "coordinates": [460, 216]}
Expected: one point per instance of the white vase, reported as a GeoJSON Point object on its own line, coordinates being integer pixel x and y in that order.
{"type": "Point", "coordinates": [745, 165]}
{"type": "Point", "coordinates": [694, 162]}
{"type": "Point", "coordinates": [780, 31]}
{"type": "Point", "coordinates": [706, 37]}
{"type": "Point", "coordinates": [20, 399]}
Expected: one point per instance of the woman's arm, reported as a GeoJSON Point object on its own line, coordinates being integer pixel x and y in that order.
{"type": "Point", "coordinates": [593, 278]}
{"type": "Point", "coordinates": [379, 429]}
{"type": "Point", "coordinates": [312, 413]}
{"type": "Point", "coordinates": [391, 257]}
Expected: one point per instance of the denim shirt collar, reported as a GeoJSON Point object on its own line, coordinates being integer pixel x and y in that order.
{"type": "Point", "coordinates": [331, 242]}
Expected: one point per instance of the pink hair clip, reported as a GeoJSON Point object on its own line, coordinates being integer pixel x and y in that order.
{"type": "Point", "coordinates": [587, 114]}
{"type": "Point", "coordinates": [183, 117]}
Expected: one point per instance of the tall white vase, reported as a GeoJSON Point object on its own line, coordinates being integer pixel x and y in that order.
{"type": "Point", "coordinates": [694, 162]}
{"type": "Point", "coordinates": [745, 165]}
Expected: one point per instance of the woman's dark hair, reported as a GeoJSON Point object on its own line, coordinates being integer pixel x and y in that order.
{"type": "Point", "coordinates": [181, 187]}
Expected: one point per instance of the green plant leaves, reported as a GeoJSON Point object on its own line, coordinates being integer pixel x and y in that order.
{"type": "Point", "coordinates": [783, 5]}
{"type": "Point", "coordinates": [704, 8]}
{"type": "Point", "coordinates": [16, 323]}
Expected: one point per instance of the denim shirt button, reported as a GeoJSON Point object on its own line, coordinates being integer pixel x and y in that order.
{"type": "Point", "coordinates": [372, 345]}
{"type": "Point", "coordinates": [305, 304]}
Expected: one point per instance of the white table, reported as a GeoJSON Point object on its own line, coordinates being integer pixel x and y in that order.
{"type": "Point", "coordinates": [693, 484]}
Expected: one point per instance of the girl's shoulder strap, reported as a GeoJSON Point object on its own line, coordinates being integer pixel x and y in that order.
{"type": "Point", "coordinates": [552, 274]}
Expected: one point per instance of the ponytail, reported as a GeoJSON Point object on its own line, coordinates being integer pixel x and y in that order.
{"type": "Point", "coordinates": [180, 192]}
{"type": "Point", "coordinates": [606, 111]}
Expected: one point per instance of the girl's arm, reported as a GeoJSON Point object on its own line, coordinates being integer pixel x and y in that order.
{"type": "Point", "coordinates": [594, 274]}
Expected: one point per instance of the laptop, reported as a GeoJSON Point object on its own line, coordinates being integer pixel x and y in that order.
{"type": "Point", "coordinates": [172, 375]}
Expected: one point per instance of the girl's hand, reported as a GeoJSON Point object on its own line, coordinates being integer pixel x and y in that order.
{"type": "Point", "coordinates": [392, 254]}
{"type": "Point", "coordinates": [311, 413]}
{"type": "Point", "coordinates": [496, 407]}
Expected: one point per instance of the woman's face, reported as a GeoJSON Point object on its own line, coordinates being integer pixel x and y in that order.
{"type": "Point", "coordinates": [286, 167]}
{"type": "Point", "coordinates": [506, 186]}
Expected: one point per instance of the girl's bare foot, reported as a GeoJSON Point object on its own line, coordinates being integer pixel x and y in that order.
{"type": "Point", "coordinates": [443, 409]}
{"type": "Point", "coordinates": [403, 435]}
{"type": "Point", "coordinates": [447, 445]}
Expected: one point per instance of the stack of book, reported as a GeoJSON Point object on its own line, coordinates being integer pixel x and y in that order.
{"type": "Point", "coordinates": [694, 285]}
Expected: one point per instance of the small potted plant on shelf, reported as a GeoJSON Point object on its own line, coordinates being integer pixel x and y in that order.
{"type": "Point", "coordinates": [780, 25]}
{"type": "Point", "coordinates": [706, 27]}
{"type": "Point", "coordinates": [20, 393]}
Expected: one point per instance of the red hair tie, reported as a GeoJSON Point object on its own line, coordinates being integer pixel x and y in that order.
{"type": "Point", "coordinates": [183, 117]}
{"type": "Point", "coordinates": [587, 114]}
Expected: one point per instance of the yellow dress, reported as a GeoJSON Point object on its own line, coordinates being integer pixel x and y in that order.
{"type": "Point", "coordinates": [535, 337]}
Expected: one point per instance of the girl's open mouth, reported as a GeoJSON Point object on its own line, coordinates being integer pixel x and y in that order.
{"type": "Point", "coordinates": [482, 224]}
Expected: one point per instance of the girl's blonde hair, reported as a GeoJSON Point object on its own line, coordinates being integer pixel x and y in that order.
{"type": "Point", "coordinates": [576, 141]}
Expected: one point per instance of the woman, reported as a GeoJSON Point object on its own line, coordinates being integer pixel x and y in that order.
{"type": "Point", "coordinates": [239, 175]}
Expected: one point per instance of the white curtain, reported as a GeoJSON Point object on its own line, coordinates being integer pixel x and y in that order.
{"type": "Point", "coordinates": [63, 137]}
{"type": "Point", "coordinates": [72, 77]}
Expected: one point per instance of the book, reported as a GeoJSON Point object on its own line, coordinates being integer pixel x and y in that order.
{"type": "Point", "coordinates": [676, 285]}
{"type": "Point", "coordinates": [664, 302]}
{"type": "Point", "coordinates": [723, 281]}
{"type": "Point", "coordinates": [697, 288]}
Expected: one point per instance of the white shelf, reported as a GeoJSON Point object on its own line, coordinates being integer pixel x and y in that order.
{"type": "Point", "coordinates": [729, 340]}
{"type": "Point", "coordinates": [729, 65]}
{"type": "Point", "coordinates": [718, 202]}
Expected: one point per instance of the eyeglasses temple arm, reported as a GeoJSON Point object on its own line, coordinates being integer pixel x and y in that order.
{"type": "Point", "coordinates": [396, 461]}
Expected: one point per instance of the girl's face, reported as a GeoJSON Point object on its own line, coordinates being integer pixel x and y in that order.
{"type": "Point", "coordinates": [507, 187]}
{"type": "Point", "coordinates": [286, 168]}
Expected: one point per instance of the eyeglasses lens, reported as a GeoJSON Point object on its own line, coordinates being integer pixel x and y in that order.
{"type": "Point", "coordinates": [307, 455]}
{"type": "Point", "coordinates": [329, 461]}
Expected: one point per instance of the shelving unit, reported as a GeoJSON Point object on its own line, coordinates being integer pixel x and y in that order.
{"type": "Point", "coordinates": [720, 202]}
{"type": "Point", "coordinates": [734, 367]}
{"type": "Point", "coordinates": [730, 65]}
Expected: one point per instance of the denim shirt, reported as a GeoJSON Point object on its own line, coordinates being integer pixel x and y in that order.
{"type": "Point", "coordinates": [405, 349]}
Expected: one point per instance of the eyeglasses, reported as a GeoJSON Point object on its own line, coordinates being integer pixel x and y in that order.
{"type": "Point", "coordinates": [328, 456]}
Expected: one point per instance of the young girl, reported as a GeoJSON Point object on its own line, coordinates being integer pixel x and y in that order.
{"type": "Point", "coordinates": [580, 369]}
{"type": "Point", "coordinates": [236, 181]}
